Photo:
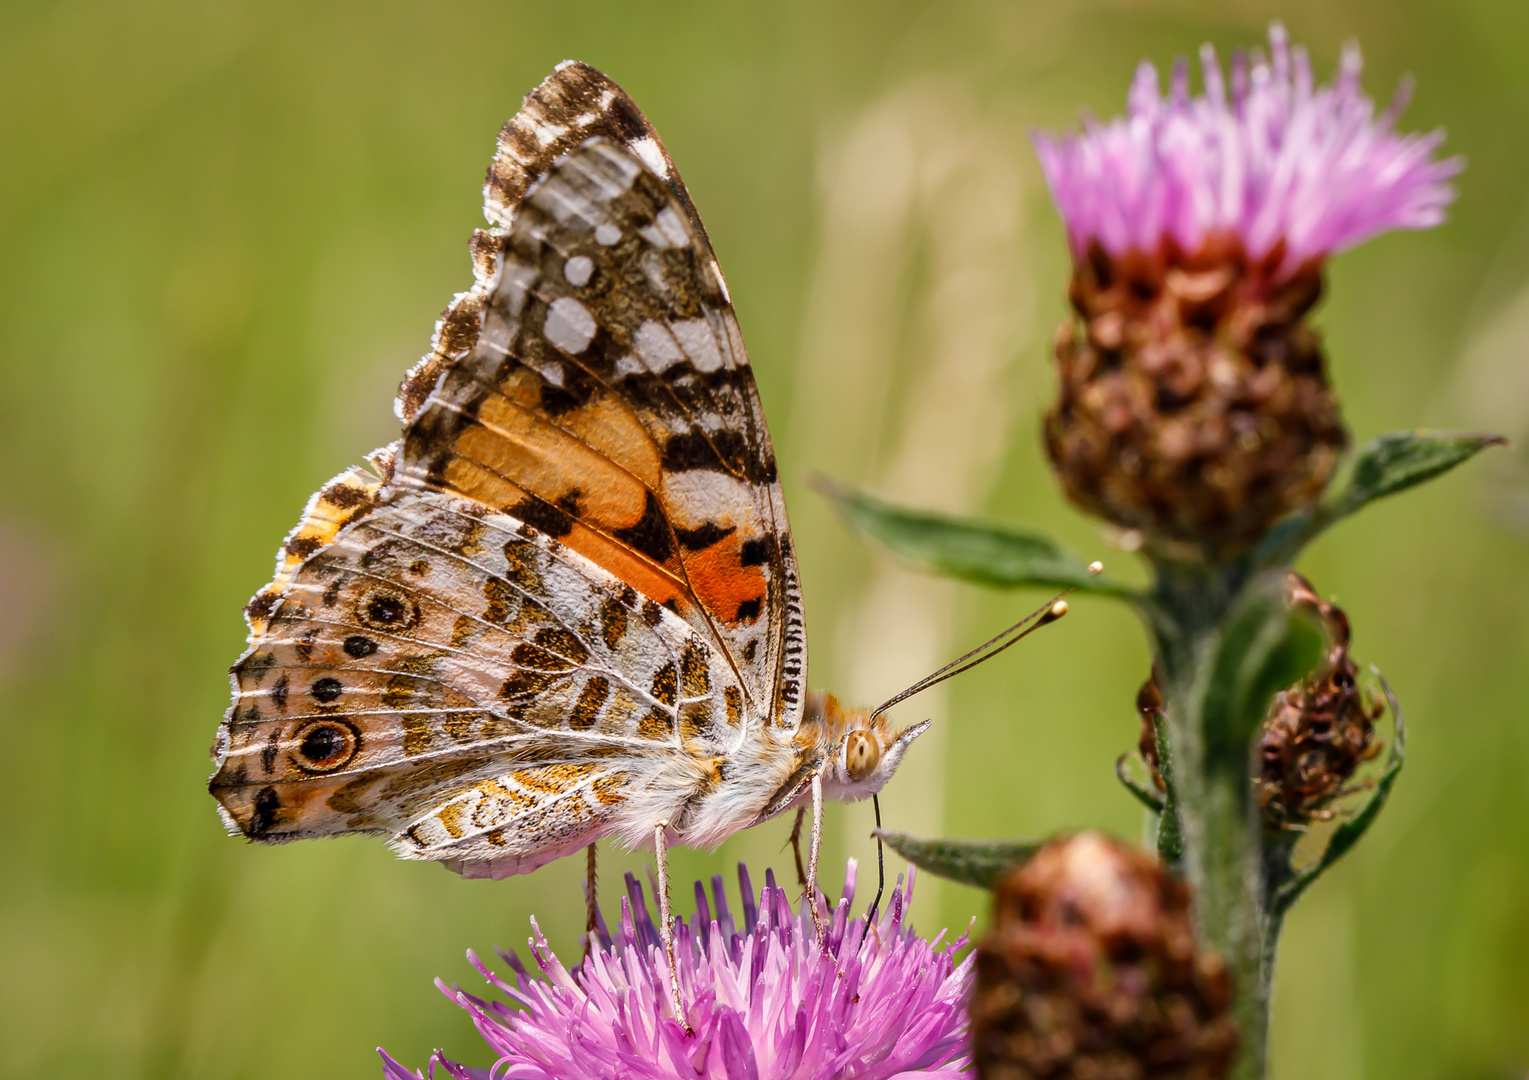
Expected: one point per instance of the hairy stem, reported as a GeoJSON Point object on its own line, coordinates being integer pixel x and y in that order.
{"type": "Point", "coordinates": [1219, 833]}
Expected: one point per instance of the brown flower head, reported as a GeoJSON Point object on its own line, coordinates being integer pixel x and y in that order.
{"type": "Point", "coordinates": [1091, 972]}
{"type": "Point", "coordinates": [1194, 405]}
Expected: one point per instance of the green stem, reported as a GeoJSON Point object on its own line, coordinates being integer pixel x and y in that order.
{"type": "Point", "coordinates": [1219, 832]}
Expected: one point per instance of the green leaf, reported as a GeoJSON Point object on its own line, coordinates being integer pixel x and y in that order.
{"type": "Point", "coordinates": [1263, 649]}
{"type": "Point", "coordinates": [1384, 466]}
{"type": "Point", "coordinates": [1148, 797]}
{"type": "Point", "coordinates": [1403, 459]}
{"type": "Point", "coordinates": [971, 862]}
{"type": "Point", "coordinates": [1349, 833]}
{"type": "Point", "coordinates": [971, 550]}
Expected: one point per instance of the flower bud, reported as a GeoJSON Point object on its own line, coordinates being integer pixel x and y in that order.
{"type": "Point", "coordinates": [1091, 972]}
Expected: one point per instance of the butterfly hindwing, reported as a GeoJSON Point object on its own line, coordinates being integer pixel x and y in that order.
{"type": "Point", "coordinates": [451, 678]}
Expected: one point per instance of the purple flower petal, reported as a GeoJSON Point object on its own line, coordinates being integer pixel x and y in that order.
{"type": "Point", "coordinates": [1270, 159]}
{"type": "Point", "coordinates": [765, 1001]}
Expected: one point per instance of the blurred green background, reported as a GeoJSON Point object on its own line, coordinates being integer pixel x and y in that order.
{"type": "Point", "coordinates": [227, 229]}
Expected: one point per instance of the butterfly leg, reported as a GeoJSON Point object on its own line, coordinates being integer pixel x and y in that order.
{"type": "Point", "coordinates": [666, 921]}
{"type": "Point", "coordinates": [795, 840]}
{"type": "Point", "coordinates": [812, 856]}
{"type": "Point", "coordinates": [591, 919]}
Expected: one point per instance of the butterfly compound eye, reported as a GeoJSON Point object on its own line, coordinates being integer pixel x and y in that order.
{"type": "Point", "coordinates": [862, 753]}
{"type": "Point", "coordinates": [326, 745]}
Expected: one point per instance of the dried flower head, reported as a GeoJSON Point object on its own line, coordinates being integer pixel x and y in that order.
{"type": "Point", "coordinates": [764, 1000]}
{"type": "Point", "coordinates": [1091, 972]}
{"type": "Point", "coordinates": [1319, 731]}
{"type": "Point", "coordinates": [1194, 403]}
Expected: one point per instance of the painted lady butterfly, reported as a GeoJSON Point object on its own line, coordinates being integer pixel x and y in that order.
{"type": "Point", "coordinates": [564, 605]}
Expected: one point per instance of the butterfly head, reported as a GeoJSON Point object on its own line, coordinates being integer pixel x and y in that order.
{"type": "Point", "coordinates": [861, 749]}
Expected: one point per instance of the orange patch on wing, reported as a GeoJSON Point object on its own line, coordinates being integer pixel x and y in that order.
{"type": "Point", "coordinates": [609, 789]}
{"type": "Point", "coordinates": [722, 583]}
{"type": "Point", "coordinates": [661, 584]}
{"type": "Point", "coordinates": [552, 778]}
{"type": "Point", "coordinates": [479, 484]}
{"type": "Point", "coordinates": [451, 816]}
{"type": "Point", "coordinates": [551, 464]}
{"type": "Point", "coordinates": [610, 426]}
{"type": "Point", "coordinates": [657, 583]}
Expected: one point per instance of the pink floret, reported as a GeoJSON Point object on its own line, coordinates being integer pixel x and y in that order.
{"type": "Point", "coordinates": [1266, 160]}
{"type": "Point", "coordinates": [764, 1000]}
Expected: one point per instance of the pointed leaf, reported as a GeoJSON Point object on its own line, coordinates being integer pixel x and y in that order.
{"type": "Point", "coordinates": [1403, 459]}
{"type": "Point", "coordinates": [1384, 466]}
{"type": "Point", "coordinates": [963, 548]}
{"type": "Point", "coordinates": [1346, 835]}
{"type": "Point", "coordinates": [1148, 797]}
{"type": "Point", "coordinates": [971, 862]}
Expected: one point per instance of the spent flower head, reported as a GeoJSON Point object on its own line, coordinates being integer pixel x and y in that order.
{"type": "Point", "coordinates": [764, 1000]}
{"type": "Point", "coordinates": [1319, 731]}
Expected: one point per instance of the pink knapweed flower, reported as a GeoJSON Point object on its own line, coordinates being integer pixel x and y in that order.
{"type": "Point", "coordinates": [1269, 160]}
{"type": "Point", "coordinates": [764, 1000]}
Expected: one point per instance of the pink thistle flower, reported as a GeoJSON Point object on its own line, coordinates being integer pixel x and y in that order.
{"type": "Point", "coordinates": [1274, 162]}
{"type": "Point", "coordinates": [764, 1000]}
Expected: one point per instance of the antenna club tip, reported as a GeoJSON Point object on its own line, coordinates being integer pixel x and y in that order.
{"type": "Point", "coordinates": [1096, 568]}
{"type": "Point", "coordinates": [1057, 610]}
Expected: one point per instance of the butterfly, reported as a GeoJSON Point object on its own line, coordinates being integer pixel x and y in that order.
{"type": "Point", "coordinates": [564, 605]}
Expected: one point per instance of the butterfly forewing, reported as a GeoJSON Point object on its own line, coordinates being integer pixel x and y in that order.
{"type": "Point", "coordinates": [608, 401]}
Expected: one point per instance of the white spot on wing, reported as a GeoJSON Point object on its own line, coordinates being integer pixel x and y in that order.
{"type": "Point", "coordinates": [514, 280]}
{"type": "Point", "coordinates": [547, 133]}
{"type": "Point", "coordinates": [578, 269]}
{"type": "Point", "coordinates": [697, 496]}
{"type": "Point", "coordinates": [646, 149]}
{"type": "Point", "coordinates": [716, 275]}
{"type": "Point", "coordinates": [569, 325]}
{"type": "Point", "coordinates": [657, 347]}
{"type": "Point", "coordinates": [629, 365]}
{"type": "Point", "coordinates": [674, 227]}
{"type": "Point", "coordinates": [700, 344]}
{"type": "Point", "coordinates": [606, 234]}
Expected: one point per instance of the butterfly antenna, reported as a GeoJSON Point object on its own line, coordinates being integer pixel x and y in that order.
{"type": "Point", "coordinates": [1049, 612]}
